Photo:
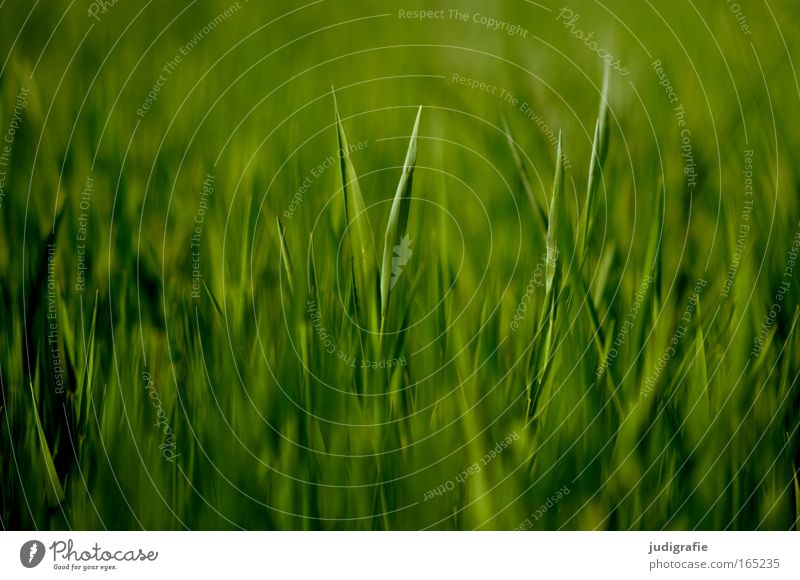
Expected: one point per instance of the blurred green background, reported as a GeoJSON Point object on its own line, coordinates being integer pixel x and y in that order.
{"type": "Point", "coordinates": [159, 371]}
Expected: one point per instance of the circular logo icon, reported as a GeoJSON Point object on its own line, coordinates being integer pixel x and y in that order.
{"type": "Point", "coordinates": [31, 553]}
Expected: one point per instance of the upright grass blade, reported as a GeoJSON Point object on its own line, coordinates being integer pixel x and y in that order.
{"type": "Point", "coordinates": [792, 344]}
{"type": "Point", "coordinates": [796, 483]}
{"type": "Point", "coordinates": [552, 268]}
{"type": "Point", "coordinates": [359, 233]}
{"type": "Point", "coordinates": [587, 215]}
{"type": "Point", "coordinates": [214, 302]}
{"type": "Point", "coordinates": [604, 269]}
{"type": "Point", "coordinates": [244, 253]}
{"type": "Point", "coordinates": [656, 251]}
{"type": "Point", "coordinates": [653, 265]}
{"type": "Point", "coordinates": [398, 219]}
{"type": "Point", "coordinates": [311, 273]}
{"type": "Point", "coordinates": [285, 258]}
{"type": "Point", "coordinates": [599, 150]}
{"type": "Point", "coordinates": [83, 394]}
{"type": "Point", "coordinates": [546, 336]}
{"type": "Point", "coordinates": [602, 342]}
{"type": "Point", "coordinates": [52, 485]}
{"type": "Point", "coordinates": [536, 205]}
{"type": "Point", "coordinates": [695, 392]}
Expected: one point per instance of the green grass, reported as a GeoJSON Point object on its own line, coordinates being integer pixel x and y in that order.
{"type": "Point", "coordinates": [562, 301]}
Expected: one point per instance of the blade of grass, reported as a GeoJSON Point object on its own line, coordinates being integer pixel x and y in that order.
{"type": "Point", "coordinates": [696, 397]}
{"type": "Point", "coordinates": [285, 258]}
{"type": "Point", "coordinates": [359, 233]}
{"type": "Point", "coordinates": [599, 150]}
{"type": "Point", "coordinates": [398, 218]}
{"type": "Point", "coordinates": [653, 264]}
{"type": "Point", "coordinates": [601, 280]}
{"type": "Point", "coordinates": [536, 205]}
{"type": "Point", "coordinates": [553, 264]}
{"type": "Point", "coordinates": [83, 394]}
{"type": "Point", "coordinates": [53, 489]}
{"type": "Point", "coordinates": [546, 338]}
{"type": "Point", "coordinates": [214, 302]}
{"type": "Point", "coordinates": [796, 483]}
{"type": "Point", "coordinates": [311, 274]}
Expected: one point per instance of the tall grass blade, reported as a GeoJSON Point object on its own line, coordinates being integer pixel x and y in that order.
{"type": "Point", "coordinates": [53, 489]}
{"type": "Point", "coordinates": [398, 219]}
{"type": "Point", "coordinates": [359, 233]}
{"type": "Point", "coordinates": [652, 276]}
{"type": "Point", "coordinates": [311, 273]}
{"type": "Point", "coordinates": [286, 260]}
{"type": "Point", "coordinates": [83, 394]}
{"type": "Point", "coordinates": [214, 302]}
{"type": "Point", "coordinates": [553, 263]}
{"type": "Point", "coordinates": [599, 151]}
{"type": "Point", "coordinates": [547, 325]}
{"type": "Point", "coordinates": [695, 396]}
{"type": "Point", "coordinates": [522, 170]}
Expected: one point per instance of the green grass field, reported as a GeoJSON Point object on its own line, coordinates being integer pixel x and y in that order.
{"type": "Point", "coordinates": [376, 265]}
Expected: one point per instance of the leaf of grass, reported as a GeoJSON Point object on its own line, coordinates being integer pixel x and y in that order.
{"type": "Point", "coordinates": [214, 302]}
{"type": "Point", "coordinates": [599, 150]}
{"type": "Point", "coordinates": [359, 233]}
{"type": "Point", "coordinates": [601, 280]}
{"type": "Point", "coordinates": [696, 398]}
{"type": "Point", "coordinates": [83, 394]}
{"type": "Point", "coordinates": [651, 302]}
{"type": "Point", "coordinates": [311, 272]}
{"type": "Point", "coordinates": [523, 175]}
{"type": "Point", "coordinates": [544, 343]}
{"type": "Point", "coordinates": [53, 489]}
{"type": "Point", "coordinates": [398, 218]}
{"type": "Point", "coordinates": [285, 258]}
{"type": "Point", "coordinates": [552, 269]}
